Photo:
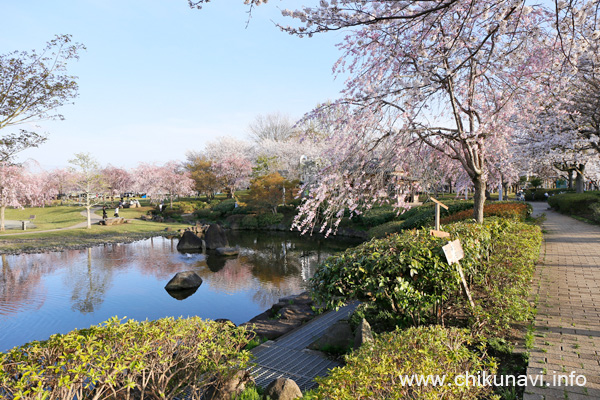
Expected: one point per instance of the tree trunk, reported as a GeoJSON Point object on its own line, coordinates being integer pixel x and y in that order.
{"type": "Point", "coordinates": [570, 174]}
{"type": "Point", "coordinates": [579, 179]}
{"type": "Point", "coordinates": [2, 218]}
{"type": "Point", "coordinates": [479, 198]}
{"type": "Point", "coordinates": [89, 216]}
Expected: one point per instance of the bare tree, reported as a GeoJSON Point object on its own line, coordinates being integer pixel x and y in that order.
{"type": "Point", "coordinates": [274, 126]}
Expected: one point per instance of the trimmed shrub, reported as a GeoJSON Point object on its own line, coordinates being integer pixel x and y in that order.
{"type": "Point", "coordinates": [382, 370]}
{"type": "Point", "coordinates": [580, 204]}
{"type": "Point", "coordinates": [255, 221]}
{"type": "Point", "coordinates": [114, 360]}
{"type": "Point", "coordinates": [407, 277]}
{"type": "Point", "coordinates": [418, 217]}
{"type": "Point", "coordinates": [249, 222]}
{"type": "Point", "coordinates": [378, 215]}
{"type": "Point", "coordinates": [225, 207]}
{"type": "Point", "coordinates": [207, 214]}
{"type": "Point", "coordinates": [540, 194]}
{"type": "Point", "coordinates": [516, 210]}
{"type": "Point", "coordinates": [268, 219]}
{"type": "Point", "coordinates": [385, 229]}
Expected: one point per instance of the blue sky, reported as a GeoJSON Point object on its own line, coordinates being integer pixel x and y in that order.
{"type": "Point", "coordinates": [158, 79]}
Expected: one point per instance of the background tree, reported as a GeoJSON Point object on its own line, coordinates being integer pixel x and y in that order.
{"type": "Point", "coordinates": [175, 181]}
{"type": "Point", "coordinates": [201, 172]}
{"type": "Point", "coordinates": [274, 126]}
{"type": "Point", "coordinates": [19, 188]}
{"type": "Point", "coordinates": [87, 181]}
{"type": "Point", "coordinates": [116, 180]}
{"type": "Point", "coordinates": [62, 180]}
{"type": "Point", "coordinates": [147, 179]}
{"type": "Point", "coordinates": [271, 190]}
{"type": "Point", "coordinates": [231, 162]}
{"type": "Point", "coordinates": [33, 85]}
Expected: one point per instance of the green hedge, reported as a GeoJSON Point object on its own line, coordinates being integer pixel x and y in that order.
{"type": "Point", "coordinates": [224, 207]}
{"type": "Point", "coordinates": [540, 194]}
{"type": "Point", "coordinates": [418, 217]}
{"type": "Point", "coordinates": [154, 359]}
{"type": "Point", "coordinates": [585, 205]}
{"type": "Point", "coordinates": [380, 370]}
{"type": "Point", "coordinates": [253, 221]}
{"type": "Point", "coordinates": [378, 215]}
{"type": "Point", "coordinates": [406, 276]}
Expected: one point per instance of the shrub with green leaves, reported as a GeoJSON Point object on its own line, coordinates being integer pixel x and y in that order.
{"type": "Point", "coordinates": [580, 204]}
{"type": "Point", "coordinates": [378, 215]}
{"type": "Point", "coordinates": [406, 275]}
{"type": "Point", "coordinates": [115, 360]}
{"type": "Point", "coordinates": [225, 207]}
{"type": "Point", "coordinates": [383, 370]}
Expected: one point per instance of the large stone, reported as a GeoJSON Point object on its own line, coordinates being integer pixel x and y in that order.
{"type": "Point", "coordinates": [363, 334]}
{"type": "Point", "coordinates": [229, 389]}
{"type": "Point", "coordinates": [112, 221]}
{"type": "Point", "coordinates": [284, 316]}
{"type": "Point", "coordinates": [215, 237]}
{"type": "Point", "coordinates": [189, 242]}
{"type": "Point", "coordinates": [338, 337]}
{"type": "Point", "coordinates": [184, 280]}
{"type": "Point", "coordinates": [283, 389]}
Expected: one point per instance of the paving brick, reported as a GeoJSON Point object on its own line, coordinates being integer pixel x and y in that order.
{"type": "Point", "coordinates": [567, 280]}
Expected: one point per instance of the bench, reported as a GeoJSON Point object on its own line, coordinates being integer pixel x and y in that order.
{"type": "Point", "coordinates": [30, 220]}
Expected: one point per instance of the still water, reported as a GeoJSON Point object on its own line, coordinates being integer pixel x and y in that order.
{"type": "Point", "coordinates": [43, 294]}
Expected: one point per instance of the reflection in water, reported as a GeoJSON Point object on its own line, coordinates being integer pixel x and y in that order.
{"type": "Point", "coordinates": [181, 294]}
{"type": "Point", "coordinates": [89, 285]}
{"type": "Point", "coordinates": [42, 294]}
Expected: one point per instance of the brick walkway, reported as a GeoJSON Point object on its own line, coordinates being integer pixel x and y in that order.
{"type": "Point", "coordinates": [567, 325]}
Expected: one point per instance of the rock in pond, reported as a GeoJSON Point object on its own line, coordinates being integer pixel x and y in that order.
{"type": "Point", "coordinates": [215, 237]}
{"type": "Point", "coordinates": [189, 242]}
{"type": "Point", "coordinates": [227, 251]}
{"type": "Point", "coordinates": [184, 280]}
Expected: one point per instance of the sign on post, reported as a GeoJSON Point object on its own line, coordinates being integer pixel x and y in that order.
{"type": "Point", "coordinates": [438, 204]}
{"type": "Point", "coordinates": [454, 253]}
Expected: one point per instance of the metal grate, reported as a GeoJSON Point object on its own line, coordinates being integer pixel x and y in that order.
{"type": "Point", "coordinates": [288, 357]}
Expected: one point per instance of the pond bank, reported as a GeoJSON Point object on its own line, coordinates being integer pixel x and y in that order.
{"type": "Point", "coordinates": [8, 245]}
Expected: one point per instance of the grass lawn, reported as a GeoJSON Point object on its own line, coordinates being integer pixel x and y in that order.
{"type": "Point", "coordinates": [65, 216]}
{"type": "Point", "coordinates": [47, 217]}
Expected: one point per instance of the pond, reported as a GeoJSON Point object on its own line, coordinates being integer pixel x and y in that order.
{"type": "Point", "coordinates": [43, 294]}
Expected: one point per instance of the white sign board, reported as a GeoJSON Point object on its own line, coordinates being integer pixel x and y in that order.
{"type": "Point", "coordinates": [453, 251]}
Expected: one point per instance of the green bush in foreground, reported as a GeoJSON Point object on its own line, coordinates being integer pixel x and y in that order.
{"type": "Point", "coordinates": [379, 370]}
{"type": "Point", "coordinates": [406, 277]}
{"type": "Point", "coordinates": [114, 360]}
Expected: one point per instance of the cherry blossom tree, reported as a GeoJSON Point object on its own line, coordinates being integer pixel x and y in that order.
{"type": "Point", "coordinates": [87, 181]}
{"type": "Point", "coordinates": [19, 188]}
{"type": "Point", "coordinates": [231, 162]}
{"type": "Point", "coordinates": [176, 181]}
{"type": "Point", "coordinates": [117, 180]}
{"type": "Point", "coordinates": [62, 180]}
{"type": "Point", "coordinates": [33, 85]}
{"type": "Point", "coordinates": [146, 179]}
{"type": "Point", "coordinates": [159, 182]}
